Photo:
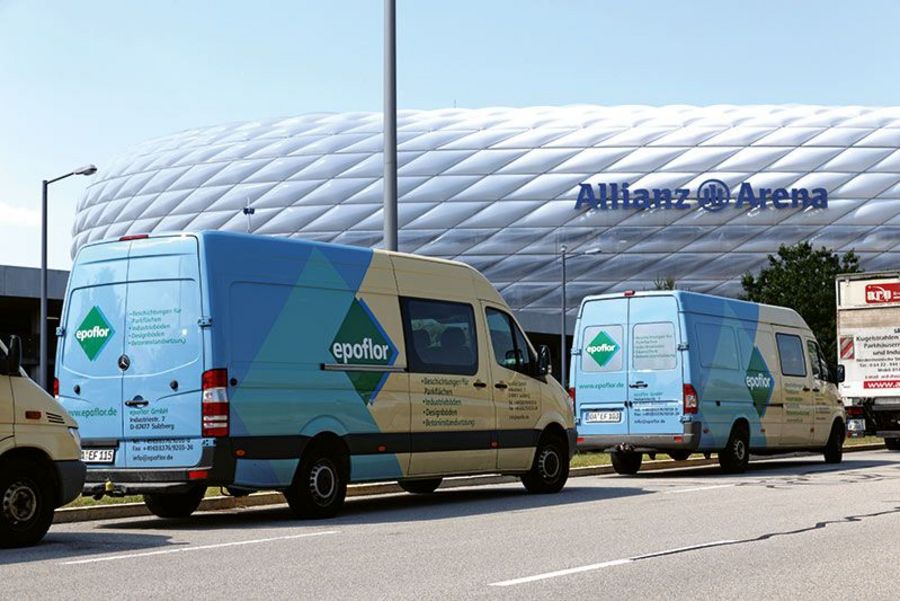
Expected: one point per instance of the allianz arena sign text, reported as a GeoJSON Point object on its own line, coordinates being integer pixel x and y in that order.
{"type": "Point", "coordinates": [712, 195]}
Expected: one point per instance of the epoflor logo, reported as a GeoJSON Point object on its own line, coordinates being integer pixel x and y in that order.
{"type": "Point", "coordinates": [602, 348]}
{"type": "Point", "coordinates": [712, 195]}
{"type": "Point", "coordinates": [759, 381]}
{"type": "Point", "coordinates": [93, 333]}
{"type": "Point", "coordinates": [361, 341]}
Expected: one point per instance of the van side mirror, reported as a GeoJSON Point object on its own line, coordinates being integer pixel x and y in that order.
{"type": "Point", "coordinates": [543, 366]}
{"type": "Point", "coordinates": [841, 374]}
{"type": "Point", "coordinates": [14, 357]}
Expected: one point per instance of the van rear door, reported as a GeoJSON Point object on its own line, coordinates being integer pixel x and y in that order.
{"type": "Point", "coordinates": [655, 380]}
{"type": "Point", "coordinates": [90, 381]}
{"type": "Point", "coordinates": [601, 376]}
{"type": "Point", "coordinates": [163, 354]}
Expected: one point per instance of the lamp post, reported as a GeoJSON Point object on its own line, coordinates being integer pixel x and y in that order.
{"type": "Point", "coordinates": [44, 341]}
{"type": "Point", "coordinates": [390, 125]}
{"type": "Point", "coordinates": [564, 254]}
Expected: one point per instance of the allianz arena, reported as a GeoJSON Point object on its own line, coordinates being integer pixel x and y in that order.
{"type": "Point", "coordinates": [503, 188]}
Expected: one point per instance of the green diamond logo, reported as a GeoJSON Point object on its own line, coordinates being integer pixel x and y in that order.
{"type": "Point", "coordinates": [361, 341]}
{"type": "Point", "coordinates": [93, 333]}
{"type": "Point", "coordinates": [759, 381]}
{"type": "Point", "coordinates": [602, 348]}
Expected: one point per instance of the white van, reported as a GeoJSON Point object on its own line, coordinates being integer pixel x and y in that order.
{"type": "Point", "coordinates": [40, 458]}
{"type": "Point", "coordinates": [680, 372]}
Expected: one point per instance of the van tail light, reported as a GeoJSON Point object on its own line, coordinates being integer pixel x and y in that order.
{"type": "Point", "coordinates": [691, 402]}
{"type": "Point", "coordinates": [572, 398]}
{"type": "Point", "coordinates": [56, 387]}
{"type": "Point", "coordinates": [855, 412]}
{"type": "Point", "coordinates": [215, 403]}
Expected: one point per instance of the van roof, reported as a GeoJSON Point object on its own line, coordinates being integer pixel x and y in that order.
{"type": "Point", "coordinates": [485, 289]}
{"type": "Point", "coordinates": [711, 304]}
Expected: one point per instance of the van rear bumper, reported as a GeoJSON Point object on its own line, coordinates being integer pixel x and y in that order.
{"type": "Point", "coordinates": [216, 461]}
{"type": "Point", "coordinates": [690, 441]}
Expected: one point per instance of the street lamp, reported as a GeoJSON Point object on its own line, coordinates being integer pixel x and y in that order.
{"type": "Point", "coordinates": [562, 335]}
{"type": "Point", "coordinates": [44, 342]}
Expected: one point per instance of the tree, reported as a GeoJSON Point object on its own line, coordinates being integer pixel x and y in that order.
{"type": "Point", "coordinates": [802, 278]}
{"type": "Point", "coordinates": [664, 283]}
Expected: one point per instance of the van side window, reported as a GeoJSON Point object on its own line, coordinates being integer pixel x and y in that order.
{"type": "Point", "coordinates": [510, 346]}
{"type": "Point", "coordinates": [813, 350]}
{"type": "Point", "coordinates": [718, 347]}
{"type": "Point", "coordinates": [653, 346]}
{"type": "Point", "coordinates": [790, 353]}
{"type": "Point", "coordinates": [440, 337]}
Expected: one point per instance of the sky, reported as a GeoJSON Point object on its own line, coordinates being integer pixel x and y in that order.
{"type": "Point", "coordinates": [81, 82]}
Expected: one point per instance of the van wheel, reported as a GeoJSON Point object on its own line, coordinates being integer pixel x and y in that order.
{"type": "Point", "coordinates": [550, 468]}
{"type": "Point", "coordinates": [679, 455]}
{"type": "Point", "coordinates": [420, 487]}
{"type": "Point", "coordinates": [892, 443]}
{"type": "Point", "coordinates": [626, 463]}
{"type": "Point", "coordinates": [733, 459]}
{"type": "Point", "coordinates": [320, 484]}
{"type": "Point", "coordinates": [177, 505]}
{"type": "Point", "coordinates": [834, 448]}
{"type": "Point", "coordinates": [27, 493]}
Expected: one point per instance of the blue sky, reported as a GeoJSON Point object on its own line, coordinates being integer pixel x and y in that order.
{"type": "Point", "coordinates": [82, 81]}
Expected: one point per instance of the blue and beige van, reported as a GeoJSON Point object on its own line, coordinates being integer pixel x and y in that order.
{"type": "Point", "coordinates": [680, 372]}
{"type": "Point", "coordinates": [251, 362]}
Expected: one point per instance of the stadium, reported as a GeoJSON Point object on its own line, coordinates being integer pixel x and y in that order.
{"type": "Point", "coordinates": [637, 194]}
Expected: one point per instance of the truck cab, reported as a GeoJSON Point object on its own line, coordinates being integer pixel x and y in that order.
{"type": "Point", "coordinates": [40, 455]}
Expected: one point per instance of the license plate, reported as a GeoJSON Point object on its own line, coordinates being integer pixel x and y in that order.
{"type": "Point", "coordinates": [602, 417]}
{"type": "Point", "coordinates": [98, 455]}
{"type": "Point", "coordinates": [856, 425]}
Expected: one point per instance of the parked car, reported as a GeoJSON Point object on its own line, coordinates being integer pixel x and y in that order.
{"type": "Point", "coordinates": [253, 362]}
{"type": "Point", "coordinates": [680, 372]}
{"type": "Point", "coordinates": [40, 460]}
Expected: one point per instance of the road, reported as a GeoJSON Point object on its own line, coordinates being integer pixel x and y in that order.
{"type": "Point", "coordinates": [787, 529]}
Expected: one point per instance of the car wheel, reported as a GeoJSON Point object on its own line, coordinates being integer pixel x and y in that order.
{"type": "Point", "coordinates": [550, 468]}
{"type": "Point", "coordinates": [178, 505]}
{"type": "Point", "coordinates": [27, 501]}
{"type": "Point", "coordinates": [320, 484]}
{"type": "Point", "coordinates": [420, 487]}
{"type": "Point", "coordinates": [734, 458]}
{"type": "Point", "coordinates": [626, 463]}
{"type": "Point", "coordinates": [892, 443]}
{"type": "Point", "coordinates": [834, 448]}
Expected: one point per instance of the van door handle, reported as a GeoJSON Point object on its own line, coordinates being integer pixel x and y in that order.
{"type": "Point", "coordinates": [501, 385]}
{"type": "Point", "coordinates": [806, 389]}
{"type": "Point", "coordinates": [815, 390]}
{"type": "Point", "coordinates": [137, 402]}
{"type": "Point", "coordinates": [638, 384]}
{"type": "Point", "coordinates": [479, 384]}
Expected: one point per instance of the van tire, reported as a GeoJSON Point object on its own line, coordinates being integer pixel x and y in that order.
{"type": "Point", "coordinates": [626, 463]}
{"type": "Point", "coordinates": [320, 484]}
{"type": "Point", "coordinates": [834, 448]}
{"type": "Point", "coordinates": [177, 505]}
{"type": "Point", "coordinates": [27, 501]}
{"type": "Point", "coordinates": [420, 487]}
{"type": "Point", "coordinates": [735, 457]}
{"type": "Point", "coordinates": [892, 444]}
{"type": "Point", "coordinates": [550, 468]}
{"type": "Point", "coordinates": [679, 455]}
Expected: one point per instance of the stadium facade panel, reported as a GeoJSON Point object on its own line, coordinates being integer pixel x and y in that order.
{"type": "Point", "coordinates": [503, 188]}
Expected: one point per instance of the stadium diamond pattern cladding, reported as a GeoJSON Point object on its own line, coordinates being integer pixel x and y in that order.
{"type": "Point", "coordinates": [496, 188]}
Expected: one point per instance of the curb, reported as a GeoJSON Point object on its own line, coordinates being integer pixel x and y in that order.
{"type": "Point", "coordinates": [220, 503]}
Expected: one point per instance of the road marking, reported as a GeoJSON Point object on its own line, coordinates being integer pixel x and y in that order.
{"type": "Point", "coordinates": [256, 541]}
{"type": "Point", "coordinates": [681, 490]}
{"type": "Point", "coordinates": [608, 564]}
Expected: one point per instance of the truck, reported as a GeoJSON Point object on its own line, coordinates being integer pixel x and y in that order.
{"type": "Point", "coordinates": [868, 347]}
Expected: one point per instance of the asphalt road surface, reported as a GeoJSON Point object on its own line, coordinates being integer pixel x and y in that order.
{"type": "Point", "coordinates": [787, 529]}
